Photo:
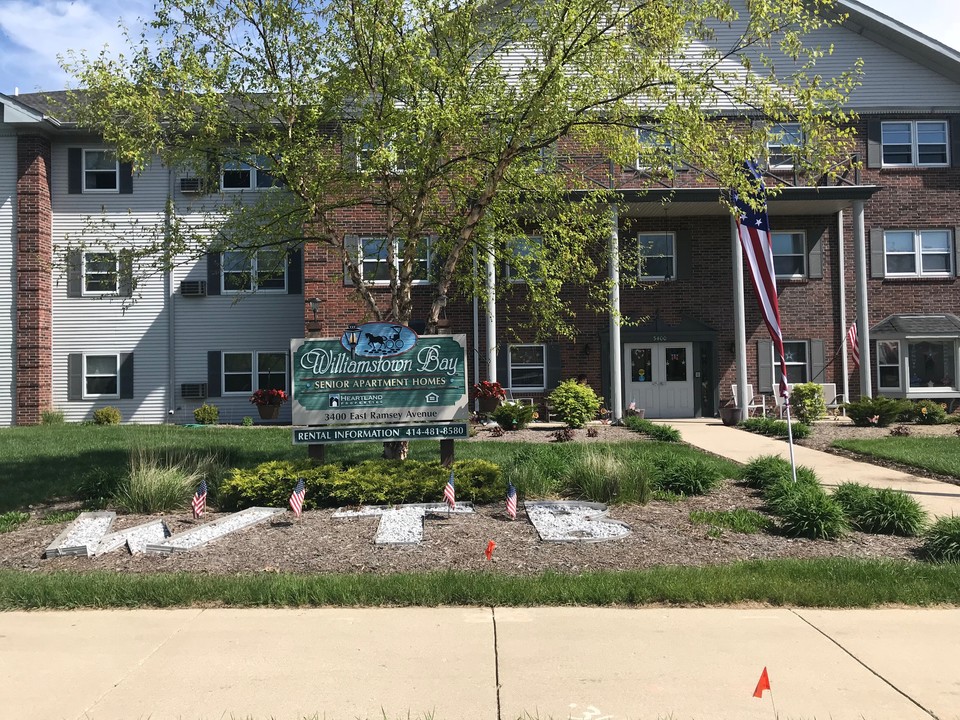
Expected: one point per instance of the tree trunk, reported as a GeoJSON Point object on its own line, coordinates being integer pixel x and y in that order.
{"type": "Point", "coordinates": [397, 450]}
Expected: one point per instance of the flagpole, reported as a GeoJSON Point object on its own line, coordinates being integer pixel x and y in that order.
{"type": "Point", "coordinates": [793, 462]}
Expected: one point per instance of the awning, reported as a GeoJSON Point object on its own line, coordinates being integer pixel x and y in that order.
{"type": "Point", "coordinates": [901, 326]}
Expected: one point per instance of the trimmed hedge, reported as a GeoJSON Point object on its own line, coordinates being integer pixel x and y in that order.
{"type": "Point", "coordinates": [877, 411]}
{"type": "Point", "coordinates": [774, 428]}
{"type": "Point", "coordinates": [663, 433]}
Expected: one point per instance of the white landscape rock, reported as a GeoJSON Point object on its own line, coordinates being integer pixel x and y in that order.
{"type": "Point", "coordinates": [82, 536]}
{"type": "Point", "coordinates": [203, 534]}
{"type": "Point", "coordinates": [136, 538]}
{"type": "Point", "coordinates": [402, 524]}
{"type": "Point", "coordinates": [574, 521]}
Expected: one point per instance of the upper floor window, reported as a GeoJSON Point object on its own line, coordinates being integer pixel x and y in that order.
{"type": "Point", "coordinates": [915, 253]}
{"type": "Point", "coordinates": [100, 273]}
{"type": "Point", "coordinates": [655, 148]}
{"type": "Point", "coordinates": [525, 264]}
{"type": "Point", "coordinates": [264, 270]}
{"type": "Point", "coordinates": [101, 171]}
{"type": "Point", "coordinates": [658, 258]}
{"type": "Point", "coordinates": [915, 143]}
{"type": "Point", "coordinates": [239, 175]}
{"type": "Point", "coordinates": [784, 140]}
{"type": "Point", "coordinates": [527, 366]}
{"type": "Point", "coordinates": [374, 255]}
{"type": "Point", "coordinates": [789, 254]}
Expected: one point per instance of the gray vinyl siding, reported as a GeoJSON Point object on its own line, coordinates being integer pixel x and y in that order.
{"type": "Point", "coordinates": [113, 324]}
{"type": "Point", "coordinates": [8, 275]}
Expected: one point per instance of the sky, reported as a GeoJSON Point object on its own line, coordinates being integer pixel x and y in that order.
{"type": "Point", "coordinates": [34, 32]}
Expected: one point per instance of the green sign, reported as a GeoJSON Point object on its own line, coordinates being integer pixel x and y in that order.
{"type": "Point", "coordinates": [380, 433]}
{"type": "Point", "coordinates": [334, 385]}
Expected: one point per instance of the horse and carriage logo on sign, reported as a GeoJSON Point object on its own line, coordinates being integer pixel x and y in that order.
{"type": "Point", "coordinates": [378, 339]}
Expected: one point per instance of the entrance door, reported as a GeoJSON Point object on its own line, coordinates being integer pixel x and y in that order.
{"type": "Point", "coordinates": [658, 377]}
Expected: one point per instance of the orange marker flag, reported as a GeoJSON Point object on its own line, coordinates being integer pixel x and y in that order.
{"type": "Point", "coordinates": [763, 684]}
{"type": "Point", "coordinates": [489, 551]}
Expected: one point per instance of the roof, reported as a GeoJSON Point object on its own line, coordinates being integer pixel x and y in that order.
{"type": "Point", "coordinates": [899, 326]}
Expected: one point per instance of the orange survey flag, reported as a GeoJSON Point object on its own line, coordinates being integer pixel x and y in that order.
{"type": "Point", "coordinates": [489, 551]}
{"type": "Point", "coordinates": [763, 684]}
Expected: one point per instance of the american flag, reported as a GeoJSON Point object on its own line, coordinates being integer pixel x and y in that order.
{"type": "Point", "coordinates": [199, 502]}
{"type": "Point", "coordinates": [754, 231]}
{"type": "Point", "coordinates": [512, 501]}
{"type": "Point", "coordinates": [854, 343]}
{"type": "Point", "coordinates": [449, 496]}
{"type": "Point", "coordinates": [296, 500]}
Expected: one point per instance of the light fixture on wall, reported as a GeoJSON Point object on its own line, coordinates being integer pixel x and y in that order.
{"type": "Point", "coordinates": [353, 337]}
{"type": "Point", "coordinates": [314, 304]}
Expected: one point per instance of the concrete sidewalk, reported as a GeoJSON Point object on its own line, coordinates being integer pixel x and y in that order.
{"type": "Point", "coordinates": [479, 664]}
{"type": "Point", "coordinates": [938, 498]}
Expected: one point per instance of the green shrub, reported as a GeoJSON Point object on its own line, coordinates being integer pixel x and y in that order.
{"type": "Point", "coordinates": [12, 520]}
{"type": "Point", "coordinates": [51, 417]}
{"type": "Point", "coordinates": [247, 421]}
{"type": "Point", "coordinates": [372, 482]}
{"type": "Point", "coordinates": [765, 470]}
{"type": "Point", "coordinates": [207, 414]}
{"type": "Point", "coordinates": [513, 415]}
{"type": "Point", "coordinates": [157, 483]}
{"type": "Point", "coordinates": [855, 499]}
{"type": "Point", "coordinates": [893, 512]}
{"type": "Point", "coordinates": [574, 403]}
{"type": "Point", "coordinates": [806, 402]}
{"type": "Point", "coordinates": [686, 475]}
{"type": "Point", "coordinates": [108, 415]}
{"type": "Point", "coordinates": [775, 428]}
{"type": "Point", "coordinates": [809, 512]}
{"type": "Point", "coordinates": [928, 412]}
{"type": "Point", "coordinates": [661, 433]}
{"type": "Point", "coordinates": [780, 493]}
{"type": "Point", "coordinates": [876, 412]}
{"type": "Point", "coordinates": [740, 520]}
{"type": "Point", "coordinates": [606, 477]}
{"type": "Point", "coordinates": [941, 543]}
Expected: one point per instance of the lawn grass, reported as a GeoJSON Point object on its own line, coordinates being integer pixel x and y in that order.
{"type": "Point", "coordinates": [834, 582]}
{"type": "Point", "coordinates": [936, 454]}
{"type": "Point", "coordinates": [740, 520]}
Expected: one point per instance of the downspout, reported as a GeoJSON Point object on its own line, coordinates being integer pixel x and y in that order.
{"type": "Point", "coordinates": [739, 321]}
{"type": "Point", "coordinates": [841, 268]}
{"type": "Point", "coordinates": [476, 322]}
{"type": "Point", "coordinates": [491, 316]}
{"type": "Point", "coordinates": [616, 351]}
{"type": "Point", "coordinates": [169, 303]}
{"type": "Point", "coordinates": [863, 320]}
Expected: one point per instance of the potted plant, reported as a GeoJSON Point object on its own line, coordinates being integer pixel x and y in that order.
{"type": "Point", "coordinates": [268, 402]}
{"type": "Point", "coordinates": [489, 395]}
{"type": "Point", "coordinates": [730, 412]}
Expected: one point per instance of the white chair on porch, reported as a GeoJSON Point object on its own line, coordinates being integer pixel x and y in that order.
{"type": "Point", "coordinates": [754, 401]}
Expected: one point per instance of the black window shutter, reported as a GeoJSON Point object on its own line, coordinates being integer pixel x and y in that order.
{"type": "Point", "coordinates": [74, 171]}
{"type": "Point", "coordinates": [75, 273]}
{"type": "Point", "coordinates": [126, 375]}
{"type": "Point", "coordinates": [815, 254]}
{"type": "Point", "coordinates": [874, 144]}
{"type": "Point", "coordinates": [295, 272]}
{"type": "Point", "coordinates": [503, 365]}
{"type": "Point", "coordinates": [125, 283]}
{"type": "Point", "coordinates": [764, 366]}
{"type": "Point", "coordinates": [74, 376]}
{"type": "Point", "coordinates": [213, 273]}
{"type": "Point", "coordinates": [554, 365]}
{"type": "Point", "coordinates": [876, 253]}
{"type": "Point", "coordinates": [126, 178]}
{"type": "Point", "coordinates": [955, 141]}
{"type": "Point", "coordinates": [214, 360]}
{"type": "Point", "coordinates": [817, 362]}
{"type": "Point", "coordinates": [349, 151]}
{"type": "Point", "coordinates": [956, 251]}
{"type": "Point", "coordinates": [351, 244]}
{"type": "Point", "coordinates": [684, 252]}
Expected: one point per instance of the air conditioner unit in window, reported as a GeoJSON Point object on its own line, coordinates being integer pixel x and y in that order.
{"type": "Point", "coordinates": [193, 391]}
{"type": "Point", "coordinates": [193, 288]}
{"type": "Point", "coordinates": [191, 185]}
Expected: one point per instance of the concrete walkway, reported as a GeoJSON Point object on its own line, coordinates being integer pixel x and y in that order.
{"type": "Point", "coordinates": [938, 498]}
{"type": "Point", "coordinates": [480, 664]}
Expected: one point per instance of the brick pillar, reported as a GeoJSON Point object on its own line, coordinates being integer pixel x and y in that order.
{"type": "Point", "coordinates": [34, 280]}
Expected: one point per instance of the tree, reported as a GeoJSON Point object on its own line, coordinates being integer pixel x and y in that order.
{"type": "Point", "coordinates": [465, 123]}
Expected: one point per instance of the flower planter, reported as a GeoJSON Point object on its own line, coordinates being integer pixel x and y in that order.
{"type": "Point", "coordinates": [268, 412]}
{"type": "Point", "coordinates": [487, 404]}
{"type": "Point", "coordinates": [730, 415]}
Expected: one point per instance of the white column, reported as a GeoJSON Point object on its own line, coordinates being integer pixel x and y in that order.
{"type": "Point", "coordinates": [739, 320]}
{"type": "Point", "coordinates": [842, 299]}
{"type": "Point", "coordinates": [863, 320]}
{"type": "Point", "coordinates": [491, 316]}
{"type": "Point", "coordinates": [616, 349]}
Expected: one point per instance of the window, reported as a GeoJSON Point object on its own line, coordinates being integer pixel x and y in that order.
{"type": "Point", "coordinates": [932, 363]}
{"type": "Point", "coordinates": [914, 253]}
{"type": "Point", "coordinates": [239, 175]}
{"type": "Point", "coordinates": [373, 259]}
{"type": "Point", "coordinates": [100, 272]}
{"type": "Point", "coordinates": [101, 376]}
{"type": "Point", "coordinates": [374, 155]}
{"type": "Point", "coordinates": [264, 270]}
{"type": "Point", "coordinates": [239, 376]}
{"type": "Point", "coordinates": [101, 171]}
{"type": "Point", "coordinates": [789, 254]}
{"type": "Point", "coordinates": [783, 143]}
{"type": "Point", "coordinates": [525, 265]}
{"type": "Point", "coordinates": [888, 365]}
{"type": "Point", "coordinates": [915, 143]}
{"type": "Point", "coordinates": [654, 150]}
{"type": "Point", "coordinates": [528, 367]}
{"type": "Point", "coordinates": [795, 355]}
{"type": "Point", "coordinates": [658, 260]}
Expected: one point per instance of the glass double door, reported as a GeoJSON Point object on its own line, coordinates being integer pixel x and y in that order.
{"type": "Point", "coordinates": [658, 377]}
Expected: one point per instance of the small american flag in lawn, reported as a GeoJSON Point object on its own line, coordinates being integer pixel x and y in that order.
{"type": "Point", "coordinates": [512, 501]}
{"type": "Point", "coordinates": [449, 496]}
{"type": "Point", "coordinates": [296, 500]}
{"type": "Point", "coordinates": [199, 502]}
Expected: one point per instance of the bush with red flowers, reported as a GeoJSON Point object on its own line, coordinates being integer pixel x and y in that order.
{"type": "Point", "coordinates": [269, 397]}
{"type": "Point", "coordinates": [487, 389]}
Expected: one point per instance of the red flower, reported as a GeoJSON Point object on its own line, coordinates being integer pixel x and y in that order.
{"type": "Point", "coordinates": [269, 397]}
{"type": "Point", "coordinates": [487, 389]}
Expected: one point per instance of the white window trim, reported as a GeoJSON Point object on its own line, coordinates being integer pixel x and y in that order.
{"type": "Point", "coordinates": [83, 275]}
{"type": "Point", "coordinates": [116, 170]}
{"type": "Point", "coordinates": [673, 256]}
{"type": "Point", "coordinates": [778, 130]}
{"type": "Point", "coordinates": [775, 362]}
{"type": "Point", "coordinates": [510, 366]}
{"type": "Point", "coordinates": [510, 272]}
{"type": "Point", "coordinates": [94, 396]}
{"type": "Point", "coordinates": [253, 286]}
{"type": "Point", "coordinates": [254, 183]}
{"type": "Point", "coordinates": [803, 254]}
{"type": "Point", "coordinates": [899, 366]}
{"type": "Point", "coordinates": [666, 145]}
{"type": "Point", "coordinates": [914, 144]}
{"type": "Point", "coordinates": [921, 390]}
{"type": "Point", "coordinates": [396, 259]}
{"type": "Point", "coordinates": [254, 356]}
{"type": "Point", "coordinates": [918, 254]}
